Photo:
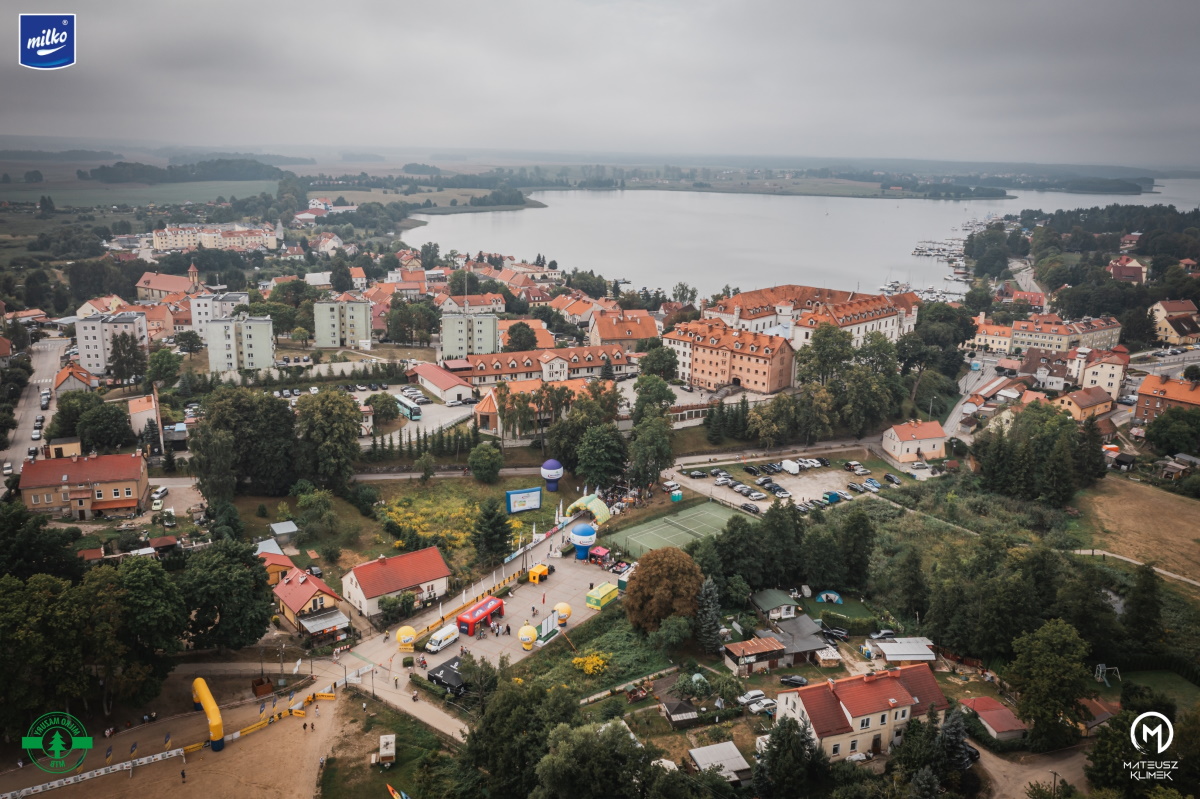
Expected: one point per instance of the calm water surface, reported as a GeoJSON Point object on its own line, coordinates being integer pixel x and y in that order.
{"type": "Point", "coordinates": [658, 238]}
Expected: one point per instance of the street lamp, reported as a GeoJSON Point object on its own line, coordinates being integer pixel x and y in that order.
{"type": "Point", "coordinates": [931, 405]}
{"type": "Point", "coordinates": [1053, 785]}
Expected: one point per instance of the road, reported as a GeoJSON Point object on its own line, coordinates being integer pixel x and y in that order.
{"type": "Point", "coordinates": [1023, 272]}
{"type": "Point", "coordinates": [45, 359]}
{"type": "Point", "coordinates": [1010, 775]}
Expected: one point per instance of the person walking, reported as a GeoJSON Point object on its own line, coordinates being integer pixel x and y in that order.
{"type": "Point", "coordinates": [364, 707]}
{"type": "Point", "coordinates": [317, 708]}
{"type": "Point", "coordinates": [183, 775]}
{"type": "Point", "coordinates": [395, 682]}
{"type": "Point", "coordinates": [306, 726]}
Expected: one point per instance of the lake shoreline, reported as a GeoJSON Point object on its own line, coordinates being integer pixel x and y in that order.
{"type": "Point", "coordinates": [781, 193]}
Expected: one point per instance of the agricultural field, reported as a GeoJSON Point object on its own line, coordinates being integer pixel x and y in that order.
{"type": "Point", "coordinates": [348, 771]}
{"type": "Point", "coordinates": [1116, 510]}
{"type": "Point", "coordinates": [89, 193]}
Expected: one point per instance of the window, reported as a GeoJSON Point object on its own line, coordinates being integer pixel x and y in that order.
{"type": "Point", "coordinates": [883, 718]}
{"type": "Point", "coordinates": [65, 496]}
{"type": "Point", "coordinates": [854, 746]}
{"type": "Point", "coordinates": [318, 602]}
{"type": "Point", "coordinates": [129, 492]}
{"type": "Point", "coordinates": [904, 713]}
{"type": "Point", "coordinates": [37, 499]}
{"type": "Point", "coordinates": [837, 749]}
{"type": "Point", "coordinates": [864, 724]}
{"type": "Point", "coordinates": [99, 493]}
{"type": "Point", "coordinates": [116, 493]}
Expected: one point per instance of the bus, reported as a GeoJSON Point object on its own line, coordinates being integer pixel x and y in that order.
{"type": "Point", "coordinates": [409, 408]}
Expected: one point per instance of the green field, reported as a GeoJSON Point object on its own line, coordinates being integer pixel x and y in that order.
{"type": "Point", "coordinates": [1167, 682]}
{"type": "Point", "coordinates": [85, 194]}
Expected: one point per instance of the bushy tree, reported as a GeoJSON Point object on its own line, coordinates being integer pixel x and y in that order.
{"type": "Point", "coordinates": [667, 583]}
{"type": "Point", "coordinates": [792, 763]}
{"type": "Point", "coordinates": [521, 338]}
{"type": "Point", "coordinates": [105, 428]}
{"type": "Point", "coordinates": [1051, 678]}
{"type": "Point", "coordinates": [600, 455]}
{"type": "Point", "coordinates": [485, 462]}
{"type": "Point", "coordinates": [491, 533]}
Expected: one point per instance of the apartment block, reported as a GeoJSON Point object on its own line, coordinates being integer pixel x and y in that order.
{"type": "Point", "coordinates": [208, 306]}
{"type": "Point", "coordinates": [341, 322]}
{"type": "Point", "coordinates": [96, 333]}
{"type": "Point", "coordinates": [469, 334]}
{"type": "Point", "coordinates": [241, 342]}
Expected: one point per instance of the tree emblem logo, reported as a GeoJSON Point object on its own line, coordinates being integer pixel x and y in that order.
{"type": "Point", "coordinates": [57, 743]}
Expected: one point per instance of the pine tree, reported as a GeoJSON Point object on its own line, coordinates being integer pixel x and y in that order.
{"type": "Point", "coordinates": [743, 419]}
{"type": "Point", "coordinates": [1089, 459]}
{"type": "Point", "coordinates": [169, 460]}
{"type": "Point", "coordinates": [374, 456]}
{"type": "Point", "coordinates": [954, 739]}
{"type": "Point", "coordinates": [410, 453]}
{"type": "Point", "coordinates": [491, 533]}
{"type": "Point", "coordinates": [716, 423]}
{"type": "Point", "coordinates": [391, 446]}
{"type": "Point", "coordinates": [924, 785]}
{"type": "Point", "coordinates": [708, 617]}
{"type": "Point", "coordinates": [1058, 473]}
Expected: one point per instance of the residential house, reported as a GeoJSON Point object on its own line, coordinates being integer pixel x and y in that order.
{"type": "Point", "coordinates": [774, 604]}
{"type": "Point", "coordinates": [576, 307]}
{"type": "Point", "coordinates": [624, 328]}
{"type": "Point", "coordinates": [326, 243]}
{"type": "Point", "coordinates": [310, 605]}
{"type": "Point", "coordinates": [423, 573]}
{"type": "Point", "coordinates": [359, 277]}
{"type": "Point", "coordinates": [903, 651]}
{"type": "Point", "coordinates": [991, 338]}
{"type": "Point", "coordinates": [1129, 241]}
{"type": "Point", "coordinates": [470, 303]}
{"type": "Point", "coordinates": [710, 354]}
{"type": "Point", "coordinates": [725, 758]}
{"type": "Point", "coordinates": [864, 713]}
{"type": "Point", "coordinates": [142, 411]}
{"type": "Point", "coordinates": [999, 721]}
{"type": "Point", "coordinates": [309, 217]}
{"type": "Point", "coordinates": [801, 638]}
{"type": "Point", "coordinates": [548, 365]}
{"type": "Point", "coordinates": [535, 296]}
{"type": "Point", "coordinates": [1086, 402]}
{"type": "Point", "coordinates": [679, 713]}
{"type": "Point", "coordinates": [65, 447]}
{"type": "Point", "coordinates": [96, 333]}
{"type": "Point", "coordinates": [82, 487]}
{"type": "Point", "coordinates": [155, 286]}
{"type": "Point", "coordinates": [446, 385]}
{"type": "Point", "coordinates": [207, 306]}
{"type": "Point", "coordinates": [1175, 321]}
{"type": "Point", "coordinates": [915, 441]}
{"type": "Point", "coordinates": [322, 281]}
{"type": "Point", "coordinates": [1049, 369]}
{"type": "Point", "coordinates": [342, 322]}
{"type": "Point", "coordinates": [1101, 333]}
{"type": "Point", "coordinates": [101, 305]}
{"type": "Point", "coordinates": [214, 237]}
{"type": "Point", "coordinates": [1159, 392]}
{"type": "Point", "coordinates": [241, 342]}
{"type": "Point", "coordinates": [545, 339]}
{"type": "Point", "coordinates": [470, 334]}
{"type": "Point", "coordinates": [1128, 270]}
{"type": "Point", "coordinates": [6, 352]}
{"type": "Point", "coordinates": [1053, 336]}
{"type": "Point", "coordinates": [744, 658]}
{"type": "Point", "coordinates": [27, 317]}
{"type": "Point", "coordinates": [277, 565]}
{"type": "Point", "coordinates": [1089, 368]}
{"type": "Point", "coordinates": [74, 377]}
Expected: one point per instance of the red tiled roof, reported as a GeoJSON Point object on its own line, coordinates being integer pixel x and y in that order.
{"type": "Point", "coordinates": [914, 686]}
{"type": "Point", "coordinates": [1089, 397]}
{"type": "Point", "coordinates": [997, 716]}
{"type": "Point", "coordinates": [388, 575]}
{"type": "Point", "coordinates": [297, 588]}
{"type": "Point", "coordinates": [157, 282]}
{"type": "Point", "coordinates": [624, 325]}
{"type": "Point", "coordinates": [918, 431]}
{"type": "Point", "coordinates": [100, 469]}
{"type": "Point", "coordinates": [545, 339]}
{"type": "Point", "coordinates": [91, 554]}
{"type": "Point", "coordinates": [276, 559]}
{"type": "Point", "coordinates": [437, 376]}
{"type": "Point", "coordinates": [755, 646]}
{"type": "Point", "coordinates": [163, 541]}
{"type": "Point", "coordinates": [1159, 386]}
{"type": "Point", "coordinates": [823, 709]}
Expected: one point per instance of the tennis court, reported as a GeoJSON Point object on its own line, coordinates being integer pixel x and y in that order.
{"type": "Point", "coordinates": [675, 530]}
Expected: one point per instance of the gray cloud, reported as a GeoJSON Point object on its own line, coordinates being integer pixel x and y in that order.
{"type": "Point", "coordinates": [1071, 80]}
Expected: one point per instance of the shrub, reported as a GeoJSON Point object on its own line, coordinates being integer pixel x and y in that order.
{"type": "Point", "coordinates": [262, 511]}
{"type": "Point", "coordinates": [592, 663]}
{"type": "Point", "coordinates": [408, 662]}
{"type": "Point", "coordinates": [331, 553]}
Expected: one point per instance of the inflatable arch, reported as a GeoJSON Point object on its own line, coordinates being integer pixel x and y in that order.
{"type": "Point", "coordinates": [202, 698]}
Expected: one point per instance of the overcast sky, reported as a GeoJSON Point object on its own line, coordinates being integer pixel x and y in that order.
{"type": "Point", "coordinates": [1077, 81]}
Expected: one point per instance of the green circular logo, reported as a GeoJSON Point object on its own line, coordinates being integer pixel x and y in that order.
{"type": "Point", "coordinates": [57, 743]}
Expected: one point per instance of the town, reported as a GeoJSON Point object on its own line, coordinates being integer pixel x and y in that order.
{"type": "Point", "coordinates": [516, 524]}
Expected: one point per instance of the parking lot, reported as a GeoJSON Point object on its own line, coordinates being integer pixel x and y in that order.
{"type": "Point", "coordinates": [803, 487]}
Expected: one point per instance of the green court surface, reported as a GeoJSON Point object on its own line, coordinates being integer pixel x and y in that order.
{"type": "Point", "coordinates": [675, 530]}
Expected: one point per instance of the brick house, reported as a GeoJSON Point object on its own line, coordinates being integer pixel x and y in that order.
{"type": "Point", "coordinates": [1159, 392]}
{"type": "Point", "coordinates": [81, 487]}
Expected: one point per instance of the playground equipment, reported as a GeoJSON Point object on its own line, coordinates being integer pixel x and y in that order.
{"type": "Point", "coordinates": [406, 636]}
{"type": "Point", "coordinates": [527, 635]}
{"type": "Point", "coordinates": [1102, 672]}
{"type": "Point", "coordinates": [563, 611]}
{"type": "Point", "coordinates": [202, 699]}
{"type": "Point", "coordinates": [552, 472]}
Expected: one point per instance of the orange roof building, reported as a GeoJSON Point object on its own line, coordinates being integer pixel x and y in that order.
{"type": "Point", "coordinates": [545, 339]}
{"type": "Point", "coordinates": [423, 572]}
{"type": "Point", "coordinates": [625, 328]}
{"type": "Point", "coordinates": [711, 354]}
{"type": "Point", "coordinates": [488, 419]}
{"type": "Point", "coordinates": [548, 365]}
{"type": "Point", "coordinates": [1159, 392]}
{"type": "Point", "coordinates": [84, 487]}
{"type": "Point", "coordinates": [915, 441]}
{"type": "Point", "coordinates": [301, 596]}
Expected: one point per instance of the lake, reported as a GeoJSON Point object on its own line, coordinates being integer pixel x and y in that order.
{"type": "Point", "coordinates": [658, 238]}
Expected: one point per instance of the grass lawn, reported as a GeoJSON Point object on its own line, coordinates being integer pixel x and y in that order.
{"type": "Point", "coordinates": [1183, 692]}
{"type": "Point", "coordinates": [608, 633]}
{"type": "Point", "coordinates": [850, 608]}
{"type": "Point", "coordinates": [691, 440]}
{"type": "Point", "coordinates": [348, 772]}
{"type": "Point", "coordinates": [959, 690]}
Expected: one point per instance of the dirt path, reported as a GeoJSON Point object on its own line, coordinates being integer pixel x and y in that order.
{"type": "Point", "coordinates": [1145, 523]}
{"type": "Point", "coordinates": [1009, 777]}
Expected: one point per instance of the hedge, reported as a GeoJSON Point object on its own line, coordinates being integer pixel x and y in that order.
{"type": "Point", "coordinates": [855, 626]}
{"type": "Point", "coordinates": [427, 686]}
{"type": "Point", "coordinates": [1182, 665]}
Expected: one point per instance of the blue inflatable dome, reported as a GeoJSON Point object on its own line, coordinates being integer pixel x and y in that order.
{"type": "Point", "coordinates": [551, 465]}
{"type": "Point", "coordinates": [552, 472]}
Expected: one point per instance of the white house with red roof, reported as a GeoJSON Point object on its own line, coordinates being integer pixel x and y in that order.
{"type": "Point", "coordinates": [915, 441]}
{"type": "Point", "coordinates": [999, 721]}
{"type": "Point", "coordinates": [446, 385]}
{"type": "Point", "coordinates": [423, 572]}
{"type": "Point", "coordinates": [865, 713]}
{"type": "Point", "coordinates": [309, 604]}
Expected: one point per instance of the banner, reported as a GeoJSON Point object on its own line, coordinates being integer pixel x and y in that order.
{"type": "Point", "coordinates": [327, 697]}
{"type": "Point", "coordinates": [108, 757]}
{"type": "Point", "coordinates": [167, 741]}
{"type": "Point", "coordinates": [133, 749]}
{"type": "Point", "coordinates": [299, 713]}
{"type": "Point", "coordinates": [523, 499]}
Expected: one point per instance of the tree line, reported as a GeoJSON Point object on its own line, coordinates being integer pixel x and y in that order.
{"type": "Point", "coordinates": [219, 169]}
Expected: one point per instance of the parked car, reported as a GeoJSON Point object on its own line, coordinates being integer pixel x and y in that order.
{"type": "Point", "coordinates": [783, 493]}
{"type": "Point", "coordinates": [312, 390]}
{"type": "Point", "coordinates": [763, 706]}
{"type": "Point", "coordinates": [697, 475]}
{"type": "Point", "coordinates": [855, 487]}
{"type": "Point", "coordinates": [38, 425]}
{"type": "Point", "coordinates": [156, 505]}
{"type": "Point", "coordinates": [287, 393]}
{"type": "Point", "coordinates": [750, 697]}
{"type": "Point", "coordinates": [36, 436]}
{"type": "Point", "coordinates": [40, 418]}
{"type": "Point", "coordinates": [762, 481]}
{"type": "Point", "coordinates": [373, 387]}
{"type": "Point", "coordinates": [891, 478]}
{"type": "Point", "coordinates": [874, 489]}
{"type": "Point", "coordinates": [920, 465]}
{"type": "Point", "coordinates": [852, 465]}
{"type": "Point", "coordinates": [714, 472]}
{"type": "Point", "coordinates": [845, 496]}
{"type": "Point", "coordinates": [824, 461]}
{"type": "Point", "coordinates": [748, 469]}
{"type": "Point", "coordinates": [1128, 399]}
{"type": "Point", "coordinates": [794, 680]}
{"type": "Point", "coordinates": [360, 387]}
{"type": "Point", "coordinates": [757, 496]}
{"type": "Point", "coordinates": [871, 481]}
{"type": "Point", "coordinates": [159, 493]}
{"type": "Point", "coordinates": [883, 635]}
{"type": "Point", "coordinates": [836, 632]}
{"type": "Point", "coordinates": [278, 395]}
{"type": "Point", "coordinates": [454, 404]}
{"type": "Point", "coordinates": [750, 507]}
{"type": "Point", "coordinates": [1177, 352]}
{"type": "Point", "coordinates": [723, 481]}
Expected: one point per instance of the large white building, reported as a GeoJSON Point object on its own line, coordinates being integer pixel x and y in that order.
{"type": "Point", "coordinates": [469, 334]}
{"type": "Point", "coordinates": [215, 237]}
{"type": "Point", "coordinates": [342, 322]}
{"type": "Point", "coordinates": [241, 342]}
{"type": "Point", "coordinates": [423, 573]}
{"type": "Point", "coordinates": [207, 306]}
{"type": "Point", "coordinates": [95, 336]}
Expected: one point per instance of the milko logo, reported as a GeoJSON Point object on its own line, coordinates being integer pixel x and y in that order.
{"type": "Point", "coordinates": [47, 41]}
{"type": "Point", "coordinates": [58, 738]}
{"type": "Point", "coordinates": [1151, 734]}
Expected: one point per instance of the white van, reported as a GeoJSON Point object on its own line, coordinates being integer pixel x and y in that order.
{"type": "Point", "coordinates": [442, 638]}
{"type": "Point", "coordinates": [791, 467]}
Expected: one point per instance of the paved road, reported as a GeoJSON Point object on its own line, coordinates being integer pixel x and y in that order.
{"type": "Point", "coordinates": [45, 359]}
{"type": "Point", "coordinates": [1023, 272]}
